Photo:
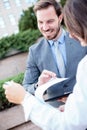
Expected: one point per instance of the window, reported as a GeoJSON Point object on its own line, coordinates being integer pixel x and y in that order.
{"type": "Point", "coordinates": [2, 23]}
{"type": "Point", "coordinates": [6, 4]}
{"type": "Point", "coordinates": [18, 2]}
{"type": "Point", "coordinates": [16, 31]}
{"type": "Point", "coordinates": [30, 1]}
{"type": "Point", "coordinates": [5, 34]}
{"type": "Point", "coordinates": [21, 14]}
{"type": "Point", "coordinates": [12, 19]}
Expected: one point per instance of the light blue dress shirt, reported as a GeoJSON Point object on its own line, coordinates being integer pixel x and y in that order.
{"type": "Point", "coordinates": [62, 48]}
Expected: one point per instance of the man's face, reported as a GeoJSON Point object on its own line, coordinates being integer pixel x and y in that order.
{"type": "Point", "coordinates": [48, 22]}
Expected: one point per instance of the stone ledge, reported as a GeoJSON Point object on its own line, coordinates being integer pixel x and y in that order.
{"type": "Point", "coordinates": [13, 119]}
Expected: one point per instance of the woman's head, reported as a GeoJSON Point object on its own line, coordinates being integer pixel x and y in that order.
{"type": "Point", "coordinates": [75, 16]}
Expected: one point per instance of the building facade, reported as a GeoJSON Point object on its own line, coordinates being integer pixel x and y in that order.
{"type": "Point", "coordinates": [10, 13]}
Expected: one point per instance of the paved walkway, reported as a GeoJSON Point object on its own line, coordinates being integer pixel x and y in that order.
{"type": "Point", "coordinates": [13, 65]}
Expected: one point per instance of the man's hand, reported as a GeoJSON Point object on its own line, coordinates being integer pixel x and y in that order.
{"type": "Point", "coordinates": [45, 77]}
{"type": "Point", "coordinates": [61, 108]}
{"type": "Point", "coordinates": [14, 92]}
{"type": "Point", "coordinates": [63, 99]}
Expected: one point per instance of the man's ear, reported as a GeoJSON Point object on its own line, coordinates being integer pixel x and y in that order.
{"type": "Point", "coordinates": [60, 18]}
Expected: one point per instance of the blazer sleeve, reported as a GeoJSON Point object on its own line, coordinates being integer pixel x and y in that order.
{"type": "Point", "coordinates": [32, 73]}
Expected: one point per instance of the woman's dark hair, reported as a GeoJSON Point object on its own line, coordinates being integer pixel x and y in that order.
{"type": "Point", "coordinates": [75, 17]}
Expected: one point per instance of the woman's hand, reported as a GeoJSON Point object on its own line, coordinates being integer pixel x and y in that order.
{"type": "Point", "coordinates": [14, 92]}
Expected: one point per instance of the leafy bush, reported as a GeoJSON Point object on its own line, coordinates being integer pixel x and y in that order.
{"type": "Point", "coordinates": [3, 101]}
{"type": "Point", "coordinates": [28, 20]}
{"type": "Point", "coordinates": [20, 41]}
{"type": "Point", "coordinates": [62, 2]}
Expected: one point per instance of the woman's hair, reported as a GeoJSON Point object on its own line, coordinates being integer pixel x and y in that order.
{"type": "Point", "coordinates": [75, 16]}
{"type": "Point", "coordinates": [43, 4]}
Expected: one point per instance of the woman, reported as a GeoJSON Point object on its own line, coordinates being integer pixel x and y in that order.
{"type": "Point", "coordinates": [45, 116]}
{"type": "Point", "coordinates": [75, 16]}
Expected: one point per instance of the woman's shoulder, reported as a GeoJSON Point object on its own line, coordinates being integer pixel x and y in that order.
{"type": "Point", "coordinates": [82, 67]}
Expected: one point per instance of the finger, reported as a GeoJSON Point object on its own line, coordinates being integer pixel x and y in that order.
{"type": "Point", "coordinates": [61, 108]}
{"type": "Point", "coordinates": [44, 76]}
{"type": "Point", "coordinates": [49, 73]}
{"type": "Point", "coordinates": [63, 99]}
{"type": "Point", "coordinates": [5, 86]}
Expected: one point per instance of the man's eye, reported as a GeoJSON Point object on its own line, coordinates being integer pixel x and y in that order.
{"type": "Point", "coordinates": [50, 21]}
{"type": "Point", "coordinates": [40, 22]}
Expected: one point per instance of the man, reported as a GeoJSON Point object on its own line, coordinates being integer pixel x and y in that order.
{"type": "Point", "coordinates": [42, 55]}
{"type": "Point", "coordinates": [74, 117]}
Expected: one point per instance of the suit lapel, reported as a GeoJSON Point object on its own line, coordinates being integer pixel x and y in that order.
{"type": "Point", "coordinates": [68, 45]}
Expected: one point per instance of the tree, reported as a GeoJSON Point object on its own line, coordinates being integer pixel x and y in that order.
{"type": "Point", "coordinates": [28, 20]}
{"type": "Point", "coordinates": [62, 2]}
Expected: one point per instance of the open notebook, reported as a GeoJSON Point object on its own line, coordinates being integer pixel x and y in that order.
{"type": "Point", "coordinates": [41, 89]}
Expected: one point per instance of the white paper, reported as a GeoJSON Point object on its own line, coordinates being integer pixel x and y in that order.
{"type": "Point", "coordinates": [41, 89]}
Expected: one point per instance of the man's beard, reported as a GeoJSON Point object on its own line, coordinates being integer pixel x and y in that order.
{"type": "Point", "coordinates": [56, 33]}
{"type": "Point", "coordinates": [54, 36]}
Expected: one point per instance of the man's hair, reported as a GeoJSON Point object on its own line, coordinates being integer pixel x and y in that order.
{"type": "Point", "coordinates": [75, 16]}
{"type": "Point", "coordinates": [43, 4]}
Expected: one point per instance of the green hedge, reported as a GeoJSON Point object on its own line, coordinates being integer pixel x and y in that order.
{"type": "Point", "coordinates": [20, 41]}
{"type": "Point", "coordinates": [3, 101]}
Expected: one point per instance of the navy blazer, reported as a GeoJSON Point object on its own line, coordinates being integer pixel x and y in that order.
{"type": "Point", "coordinates": [40, 57]}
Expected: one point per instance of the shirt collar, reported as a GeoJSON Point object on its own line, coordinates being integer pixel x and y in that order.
{"type": "Point", "coordinates": [60, 40]}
